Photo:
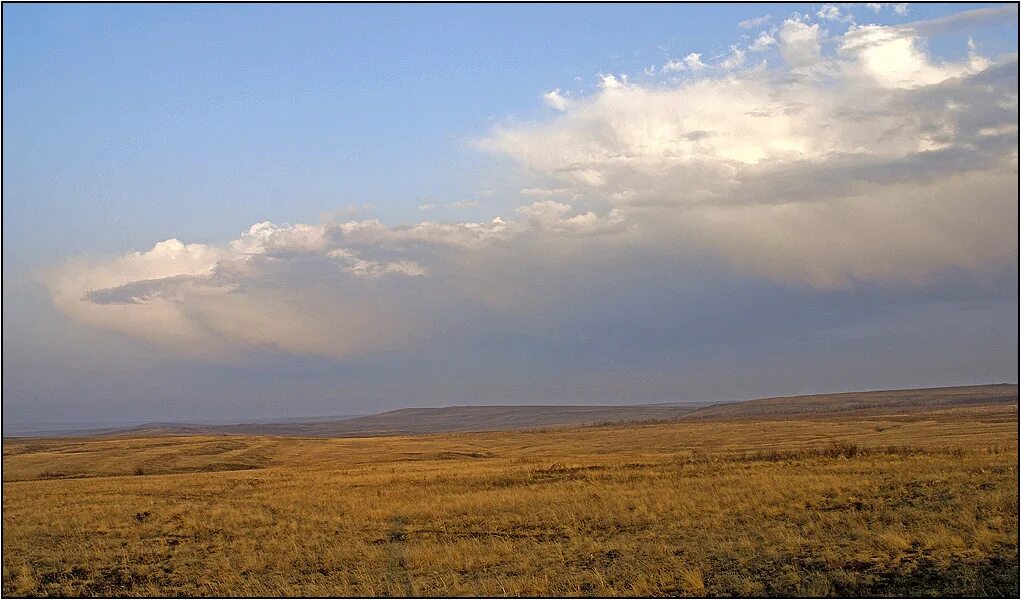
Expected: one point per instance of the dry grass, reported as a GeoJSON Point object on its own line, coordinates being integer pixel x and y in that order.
{"type": "Point", "coordinates": [915, 504]}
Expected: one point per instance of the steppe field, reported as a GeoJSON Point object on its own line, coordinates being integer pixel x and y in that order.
{"type": "Point", "coordinates": [911, 500]}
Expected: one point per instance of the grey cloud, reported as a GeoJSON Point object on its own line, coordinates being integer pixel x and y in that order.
{"type": "Point", "coordinates": [962, 19]}
{"type": "Point", "coordinates": [698, 134]}
{"type": "Point", "coordinates": [141, 292]}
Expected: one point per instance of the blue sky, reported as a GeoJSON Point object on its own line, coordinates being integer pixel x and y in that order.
{"type": "Point", "coordinates": [125, 126]}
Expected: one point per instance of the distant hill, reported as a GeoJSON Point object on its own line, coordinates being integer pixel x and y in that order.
{"type": "Point", "coordinates": [413, 421]}
{"type": "Point", "coordinates": [859, 403]}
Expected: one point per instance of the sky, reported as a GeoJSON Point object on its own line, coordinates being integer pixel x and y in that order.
{"type": "Point", "coordinates": [226, 213]}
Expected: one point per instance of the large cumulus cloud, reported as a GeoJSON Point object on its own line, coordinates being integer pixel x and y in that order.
{"type": "Point", "coordinates": [815, 161]}
{"type": "Point", "coordinates": [334, 289]}
{"type": "Point", "coordinates": [869, 163]}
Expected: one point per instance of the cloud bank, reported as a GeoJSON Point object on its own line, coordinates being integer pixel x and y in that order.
{"type": "Point", "coordinates": [804, 159]}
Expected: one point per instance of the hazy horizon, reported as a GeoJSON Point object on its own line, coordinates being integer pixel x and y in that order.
{"type": "Point", "coordinates": [62, 427]}
{"type": "Point", "coordinates": [228, 213]}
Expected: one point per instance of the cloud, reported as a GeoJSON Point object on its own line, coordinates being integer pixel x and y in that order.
{"type": "Point", "coordinates": [547, 193]}
{"type": "Point", "coordinates": [736, 58]}
{"type": "Point", "coordinates": [901, 8]}
{"type": "Point", "coordinates": [334, 289]}
{"type": "Point", "coordinates": [550, 215]}
{"type": "Point", "coordinates": [694, 62]}
{"type": "Point", "coordinates": [894, 57]}
{"type": "Point", "coordinates": [464, 204]}
{"type": "Point", "coordinates": [555, 100]}
{"type": "Point", "coordinates": [875, 7]}
{"type": "Point", "coordinates": [959, 20]}
{"type": "Point", "coordinates": [858, 175]}
{"type": "Point", "coordinates": [799, 43]}
{"type": "Point", "coordinates": [763, 42]}
{"type": "Point", "coordinates": [754, 22]}
{"type": "Point", "coordinates": [831, 12]}
{"type": "Point", "coordinates": [857, 161]}
{"type": "Point", "coordinates": [612, 82]}
{"type": "Point", "coordinates": [672, 65]}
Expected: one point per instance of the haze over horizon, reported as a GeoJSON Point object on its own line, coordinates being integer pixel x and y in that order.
{"type": "Point", "coordinates": [239, 212]}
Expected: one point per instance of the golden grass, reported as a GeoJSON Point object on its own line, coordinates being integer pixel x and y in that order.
{"type": "Point", "coordinates": [912, 504]}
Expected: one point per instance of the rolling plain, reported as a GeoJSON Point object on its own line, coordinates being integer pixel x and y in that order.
{"type": "Point", "coordinates": [870, 494]}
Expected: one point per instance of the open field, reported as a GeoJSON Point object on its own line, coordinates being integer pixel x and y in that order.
{"type": "Point", "coordinates": [917, 500]}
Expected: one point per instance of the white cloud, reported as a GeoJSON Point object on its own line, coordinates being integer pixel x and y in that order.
{"type": "Point", "coordinates": [464, 204]}
{"type": "Point", "coordinates": [672, 65]}
{"type": "Point", "coordinates": [901, 8]}
{"type": "Point", "coordinates": [555, 100]}
{"type": "Point", "coordinates": [763, 42]}
{"type": "Point", "coordinates": [612, 82]}
{"type": "Point", "coordinates": [539, 192]}
{"type": "Point", "coordinates": [768, 170]}
{"type": "Point", "coordinates": [799, 43]}
{"type": "Point", "coordinates": [754, 22]}
{"type": "Point", "coordinates": [736, 58]}
{"type": "Point", "coordinates": [550, 215]}
{"type": "Point", "coordinates": [427, 206]}
{"type": "Point", "coordinates": [875, 7]}
{"type": "Point", "coordinates": [893, 57]}
{"type": "Point", "coordinates": [831, 12]}
{"type": "Point", "coordinates": [694, 62]}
